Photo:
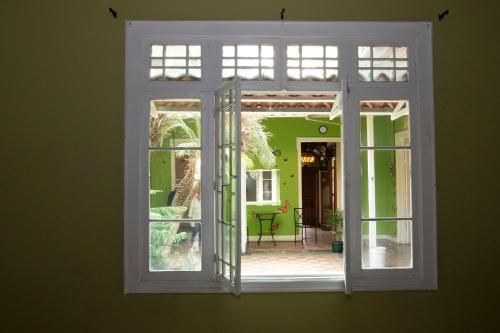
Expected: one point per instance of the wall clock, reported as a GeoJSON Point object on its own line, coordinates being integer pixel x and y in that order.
{"type": "Point", "coordinates": [323, 129]}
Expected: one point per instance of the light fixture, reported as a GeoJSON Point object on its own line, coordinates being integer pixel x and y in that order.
{"type": "Point", "coordinates": [307, 158]}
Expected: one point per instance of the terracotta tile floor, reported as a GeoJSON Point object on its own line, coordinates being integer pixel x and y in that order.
{"type": "Point", "coordinates": [290, 258]}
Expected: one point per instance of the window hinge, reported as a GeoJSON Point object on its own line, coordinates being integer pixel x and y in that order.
{"type": "Point", "coordinates": [215, 257]}
{"type": "Point", "coordinates": [215, 185]}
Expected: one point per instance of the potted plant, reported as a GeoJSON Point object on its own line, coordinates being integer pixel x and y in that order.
{"type": "Point", "coordinates": [335, 220]}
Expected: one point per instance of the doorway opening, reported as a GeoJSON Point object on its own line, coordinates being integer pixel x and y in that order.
{"type": "Point", "coordinates": [291, 187]}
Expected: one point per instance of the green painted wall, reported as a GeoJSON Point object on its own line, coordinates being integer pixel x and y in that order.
{"type": "Point", "coordinates": [61, 148]}
{"type": "Point", "coordinates": [285, 132]}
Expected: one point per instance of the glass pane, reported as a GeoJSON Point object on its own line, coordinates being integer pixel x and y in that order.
{"type": "Point", "coordinates": [383, 52]}
{"type": "Point", "coordinates": [293, 63]}
{"type": "Point", "coordinates": [383, 63]}
{"type": "Point", "coordinates": [267, 62]}
{"type": "Point", "coordinates": [332, 63]}
{"type": "Point", "coordinates": [156, 74]}
{"type": "Point", "coordinates": [331, 52]}
{"type": "Point", "coordinates": [401, 52]}
{"type": "Point", "coordinates": [175, 123]}
{"type": "Point", "coordinates": [401, 75]}
{"type": "Point", "coordinates": [332, 75]}
{"type": "Point", "coordinates": [194, 74]}
{"type": "Point", "coordinates": [194, 62]}
{"type": "Point", "coordinates": [194, 51]}
{"type": "Point", "coordinates": [248, 62]}
{"type": "Point", "coordinates": [293, 74]}
{"type": "Point", "coordinates": [248, 73]}
{"type": "Point", "coordinates": [312, 63]}
{"type": "Point", "coordinates": [174, 246]}
{"type": "Point", "coordinates": [226, 237]}
{"type": "Point", "coordinates": [267, 196]}
{"type": "Point", "coordinates": [312, 74]}
{"type": "Point", "coordinates": [267, 51]}
{"type": "Point", "coordinates": [175, 74]}
{"type": "Point", "coordinates": [228, 73]}
{"type": "Point", "coordinates": [292, 51]}
{"type": "Point", "coordinates": [228, 51]}
{"type": "Point", "coordinates": [364, 63]}
{"type": "Point", "coordinates": [381, 130]}
{"type": "Point", "coordinates": [364, 52]}
{"type": "Point", "coordinates": [364, 75]}
{"type": "Point", "coordinates": [386, 244]}
{"type": "Point", "coordinates": [156, 62]}
{"type": "Point", "coordinates": [249, 51]}
{"type": "Point", "coordinates": [174, 184]}
{"type": "Point", "coordinates": [386, 183]}
{"type": "Point", "coordinates": [251, 186]}
{"type": "Point", "coordinates": [381, 75]}
{"type": "Point", "coordinates": [175, 51]}
{"type": "Point", "coordinates": [309, 51]}
{"type": "Point", "coordinates": [228, 62]}
{"type": "Point", "coordinates": [402, 64]}
{"type": "Point", "coordinates": [175, 62]}
{"type": "Point", "coordinates": [157, 51]}
{"type": "Point", "coordinates": [267, 74]}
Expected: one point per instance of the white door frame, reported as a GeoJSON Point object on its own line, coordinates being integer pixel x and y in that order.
{"type": "Point", "coordinates": [338, 162]}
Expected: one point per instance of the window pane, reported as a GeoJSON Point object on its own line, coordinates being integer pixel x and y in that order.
{"type": "Point", "coordinates": [248, 73]}
{"type": "Point", "coordinates": [175, 50]}
{"type": "Point", "coordinates": [384, 130]}
{"type": "Point", "coordinates": [312, 74]}
{"type": "Point", "coordinates": [250, 51]}
{"type": "Point", "coordinates": [248, 62]}
{"type": "Point", "coordinates": [331, 52]}
{"type": "Point", "coordinates": [267, 174]}
{"type": "Point", "coordinates": [312, 63]}
{"type": "Point", "coordinates": [174, 184]}
{"type": "Point", "coordinates": [364, 52]}
{"type": "Point", "coordinates": [383, 52]}
{"type": "Point", "coordinates": [176, 74]}
{"type": "Point", "coordinates": [386, 244]}
{"type": "Point", "coordinates": [292, 51]}
{"type": "Point", "coordinates": [157, 51]}
{"type": "Point", "coordinates": [174, 246]}
{"type": "Point", "coordinates": [175, 62]}
{"type": "Point", "coordinates": [194, 51]}
{"type": "Point", "coordinates": [251, 186]}
{"type": "Point", "coordinates": [267, 51]}
{"type": "Point", "coordinates": [156, 74]}
{"type": "Point", "coordinates": [383, 75]}
{"type": "Point", "coordinates": [401, 52]}
{"type": "Point", "coordinates": [228, 51]}
{"type": "Point", "coordinates": [175, 122]}
{"type": "Point", "coordinates": [386, 183]}
{"type": "Point", "coordinates": [309, 51]}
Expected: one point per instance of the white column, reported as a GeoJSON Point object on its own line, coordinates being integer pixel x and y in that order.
{"type": "Point", "coordinates": [372, 228]}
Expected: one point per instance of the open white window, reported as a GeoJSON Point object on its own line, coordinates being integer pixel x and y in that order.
{"type": "Point", "coordinates": [261, 186]}
{"type": "Point", "coordinates": [364, 91]}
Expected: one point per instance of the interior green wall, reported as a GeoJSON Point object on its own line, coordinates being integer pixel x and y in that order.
{"type": "Point", "coordinates": [285, 132]}
{"type": "Point", "coordinates": [61, 128]}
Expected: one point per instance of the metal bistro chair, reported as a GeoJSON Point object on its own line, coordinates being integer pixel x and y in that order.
{"type": "Point", "coordinates": [299, 224]}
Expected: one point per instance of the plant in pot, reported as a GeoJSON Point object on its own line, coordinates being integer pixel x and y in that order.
{"type": "Point", "coordinates": [335, 220]}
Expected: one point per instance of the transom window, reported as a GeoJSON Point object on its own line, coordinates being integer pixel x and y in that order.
{"type": "Point", "coordinates": [175, 62]}
{"type": "Point", "coordinates": [312, 63]}
{"type": "Point", "coordinates": [248, 62]}
{"type": "Point", "coordinates": [383, 63]}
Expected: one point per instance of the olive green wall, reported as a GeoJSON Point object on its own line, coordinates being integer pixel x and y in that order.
{"type": "Point", "coordinates": [61, 127]}
{"type": "Point", "coordinates": [284, 134]}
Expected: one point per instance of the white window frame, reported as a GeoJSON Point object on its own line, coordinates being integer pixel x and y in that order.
{"type": "Point", "coordinates": [139, 90]}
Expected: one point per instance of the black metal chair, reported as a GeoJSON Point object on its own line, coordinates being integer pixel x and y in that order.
{"type": "Point", "coordinates": [299, 225]}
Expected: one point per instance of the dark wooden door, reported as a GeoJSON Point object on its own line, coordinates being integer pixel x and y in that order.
{"type": "Point", "coordinates": [310, 195]}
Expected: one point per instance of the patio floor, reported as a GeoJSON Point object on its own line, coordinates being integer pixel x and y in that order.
{"type": "Point", "coordinates": [316, 258]}
{"type": "Point", "coordinates": [290, 258]}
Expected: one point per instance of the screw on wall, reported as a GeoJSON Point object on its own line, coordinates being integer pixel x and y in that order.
{"type": "Point", "coordinates": [113, 12]}
{"type": "Point", "coordinates": [443, 14]}
{"type": "Point", "coordinates": [282, 14]}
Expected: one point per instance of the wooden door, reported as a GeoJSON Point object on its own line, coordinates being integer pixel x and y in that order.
{"type": "Point", "coordinates": [310, 193]}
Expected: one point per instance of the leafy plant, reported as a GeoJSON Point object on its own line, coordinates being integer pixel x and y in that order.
{"type": "Point", "coordinates": [161, 239]}
{"type": "Point", "coordinates": [335, 220]}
